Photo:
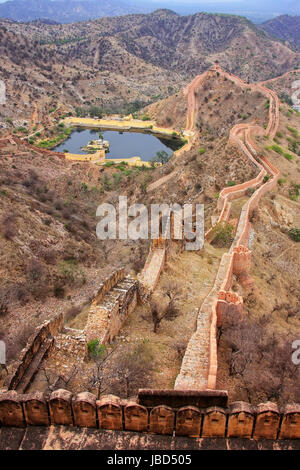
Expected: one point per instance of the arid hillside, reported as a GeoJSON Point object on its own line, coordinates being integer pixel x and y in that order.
{"type": "Point", "coordinates": [50, 257]}
{"type": "Point", "coordinates": [122, 63]}
{"type": "Point", "coordinates": [287, 86]}
{"type": "Point", "coordinates": [284, 27]}
{"type": "Point", "coordinates": [272, 308]}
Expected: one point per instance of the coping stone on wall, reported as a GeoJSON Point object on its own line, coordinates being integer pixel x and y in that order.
{"type": "Point", "coordinates": [180, 398]}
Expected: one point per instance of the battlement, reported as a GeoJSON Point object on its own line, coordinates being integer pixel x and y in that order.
{"type": "Point", "coordinates": [239, 419]}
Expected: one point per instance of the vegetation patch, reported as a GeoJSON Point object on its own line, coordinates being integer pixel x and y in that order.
{"type": "Point", "coordinates": [294, 234]}
{"type": "Point", "coordinates": [222, 234]}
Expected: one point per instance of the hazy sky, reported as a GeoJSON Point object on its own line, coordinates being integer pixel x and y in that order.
{"type": "Point", "coordinates": [178, 1]}
{"type": "Point", "coordinates": [221, 5]}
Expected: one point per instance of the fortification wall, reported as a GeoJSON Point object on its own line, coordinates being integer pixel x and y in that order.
{"type": "Point", "coordinates": [46, 331]}
{"type": "Point", "coordinates": [115, 300]}
{"type": "Point", "coordinates": [198, 371]}
{"type": "Point", "coordinates": [237, 262]}
{"type": "Point", "coordinates": [108, 284]}
{"type": "Point", "coordinates": [159, 250]}
{"type": "Point", "coordinates": [38, 149]}
{"type": "Point", "coordinates": [98, 156]}
{"type": "Point", "coordinates": [6, 140]}
{"type": "Point", "coordinates": [154, 265]}
{"type": "Point", "coordinates": [240, 419]}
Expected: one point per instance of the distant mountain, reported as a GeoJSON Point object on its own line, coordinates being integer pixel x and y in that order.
{"type": "Point", "coordinates": [64, 11]}
{"type": "Point", "coordinates": [41, 21]}
{"type": "Point", "coordinates": [69, 11]}
{"type": "Point", "coordinates": [185, 45]}
{"type": "Point", "coordinates": [257, 11]}
{"type": "Point", "coordinates": [284, 27]}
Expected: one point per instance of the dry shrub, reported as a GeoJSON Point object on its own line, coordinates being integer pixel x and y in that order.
{"type": "Point", "coordinates": [4, 302]}
{"type": "Point", "coordinates": [3, 308]}
{"type": "Point", "coordinates": [180, 347]}
{"type": "Point", "coordinates": [50, 256]}
{"type": "Point", "coordinates": [21, 293]}
{"type": "Point", "coordinates": [58, 205]}
{"type": "Point", "coordinates": [261, 360]}
{"type": "Point", "coordinates": [37, 281]}
{"type": "Point", "coordinates": [164, 305]}
{"type": "Point", "coordinates": [253, 216]}
{"type": "Point", "coordinates": [71, 313]}
{"type": "Point", "coordinates": [59, 291]}
{"type": "Point", "coordinates": [67, 212]}
{"type": "Point", "coordinates": [34, 270]}
{"type": "Point", "coordinates": [132, 368]}
{"type": "Point", "coordinates": [222, 234]}
{"type": "Point", "coordinates": [138, 264]}
{"type": "Point", "coordinates": [8, 227]}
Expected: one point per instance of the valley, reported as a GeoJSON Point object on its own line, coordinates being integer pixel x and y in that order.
{"type": "Point", "coordinates": [127, 334]}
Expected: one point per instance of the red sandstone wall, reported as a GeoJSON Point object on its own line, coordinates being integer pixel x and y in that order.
{"type": "Point", "coordinates": [238, 260]}
{"type": "Point", "coordinates": [62, 408]}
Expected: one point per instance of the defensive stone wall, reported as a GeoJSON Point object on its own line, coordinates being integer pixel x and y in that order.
{"type": "Point", "coordinates": [38, 346]}
{"type": "Point", "coordinates": [115, 300]}
{"type": "Point", "coordinates": [199, 365]}
{"type": "Point", "coordinates": [239, 419]}
{"type": "Point", "coordinates": [159, 250]}
{"type": "Point", "coordinates": [97, 156]}
{"type": "Point", "coordinates": [5, 141]}
{"type": "Point", "coordinates": [38, 149]}
{"type": "Point", "coordinates": [150, 274]}
{"type": "Point", "coordinates": [193, 408]}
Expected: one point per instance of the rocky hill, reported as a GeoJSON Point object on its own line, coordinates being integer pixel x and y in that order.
{"type": "Point", "coordinates": [284, 27]}
{"type": "Point", "coordinates": [63, 11]}
{"type": "Point", "coordinates": [50, 258]}
{"type": "Point", "coordinates": [122, 63]}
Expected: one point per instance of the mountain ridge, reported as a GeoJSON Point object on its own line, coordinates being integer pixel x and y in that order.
{"type": "Point", "coordinates": [284, 27]}
{"type": "Point", "coordinates": [145, 57]}
{"type": "Point", "coordinates": [63, 11]}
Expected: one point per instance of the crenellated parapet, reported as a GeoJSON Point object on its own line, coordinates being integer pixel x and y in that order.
{"type": "Point", "coordinates": [237, 420]}
{"type": "Point", "coordinates": [229, 303]}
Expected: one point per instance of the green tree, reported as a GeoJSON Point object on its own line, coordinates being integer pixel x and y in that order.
{"type": "Point", "coordinates": [161, 157]}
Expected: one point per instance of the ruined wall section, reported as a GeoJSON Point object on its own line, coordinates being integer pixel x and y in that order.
{"type": "Point", "coordinates": [154, 265]}
{"type": "Point", "coordinates": [37, 348]}
{"type": "Point", "coordinates": [38, 149]}
{"type": "Point", "coordinates": [116, 299]}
